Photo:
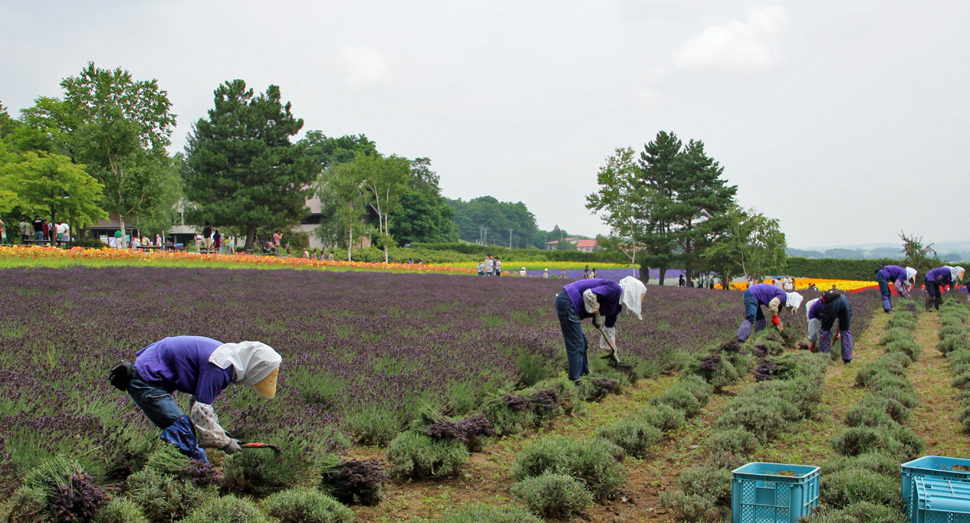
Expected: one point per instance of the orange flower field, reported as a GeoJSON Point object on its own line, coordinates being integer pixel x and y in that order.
{"type": "Point", "coordinates": [822, 284]}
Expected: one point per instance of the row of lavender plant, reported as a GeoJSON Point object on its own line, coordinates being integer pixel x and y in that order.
{"type": "Point", "coordinates": [955, 344]}
{"type": "Point", "coordinates": [863, 484]}
{"type": "Point", "coordinates": [363, 352]}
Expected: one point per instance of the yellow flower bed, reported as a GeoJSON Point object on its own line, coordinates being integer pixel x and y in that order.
{"type": "Point", "coordinates": [821, 283]}
{"type": "Point", "coordinates": [540, 265]}
{"type": "Point", "coordinates": [34, 255]}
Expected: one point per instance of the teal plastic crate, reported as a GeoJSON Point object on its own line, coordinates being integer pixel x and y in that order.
{"type": "Point", "coordinates": [773, 492]}
{"type": "Point", "coordinates": [937, 466]}
{"type": "Point", "coordinates": [939, 500]}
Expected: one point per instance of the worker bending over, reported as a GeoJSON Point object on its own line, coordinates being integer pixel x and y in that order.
{"type": "Point", "coordinates": [822, 313]}
{"type": "Point", "coordinates": [770, 296]}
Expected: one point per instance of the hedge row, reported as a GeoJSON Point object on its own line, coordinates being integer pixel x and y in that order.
{"type": "Point", "coordinates": [480, 251]}
{"type": "Point", "coordinates": [859, 270]}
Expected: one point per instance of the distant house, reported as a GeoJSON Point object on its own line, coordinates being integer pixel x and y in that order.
{"type": "Point", "coordinates": [553, 245]}
{"type": "Point", "coordinates": [587, 246]}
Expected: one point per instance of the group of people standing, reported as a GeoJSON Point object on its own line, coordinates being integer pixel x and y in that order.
{"type": "Point", "coordinates": [490, 266]}
{"type": "Point", "coordinates": [54, 233]}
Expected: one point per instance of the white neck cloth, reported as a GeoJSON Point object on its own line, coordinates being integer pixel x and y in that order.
{"type": "Point", "coordinates": [251, 360]}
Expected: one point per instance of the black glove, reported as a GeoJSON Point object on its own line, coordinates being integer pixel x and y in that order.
{"type": "Point", "coordinates": [598, 320]}
{"type": "Point", "coordinates": [233, 447]}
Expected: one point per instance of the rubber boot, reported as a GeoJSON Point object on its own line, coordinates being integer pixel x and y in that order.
{"type": "Point", "coordinates": [929, 304]}
{"type": "Point", "coordinates": [937, 302]}
{"type": "Point", "coordinates": [744, 331]}
{"type": "Point", "coordinates": [825, 341]}
{"type": "Point", "coordinates": [846, 346]}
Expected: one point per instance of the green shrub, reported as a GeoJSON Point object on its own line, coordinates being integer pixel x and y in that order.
{"type": "Point", "coordinates": [950, 320]}
{"type": "Point", "coordinates": [680, 399]}
{"type": "Point", "coordinates": [553, 495]}
{"type": "Point", "coordinates": [858, 440]}
{"type": "Point", "coordinates": [908, 347]}
{"type": "Point", "coordinates": [869, 415]}
{"type": "Point", "coordinates": [906, 397]}
{"type": "Point", "coordinates": [415, 455]}
{"type": "Point", "coordinates": [483, 513]}
{"type": "Point", "coordinates": [162, 497]}
{"type": "Point", "coordinates": [905, 443]}
{"type": "Point", "coordinates": [896, 410]}
{"type": "Point", "coordinates": [227, 509]}
{"type": "Point", "coordinates": [120, 510]}
{"type": "Point", "coordinates": [950, 330]}
{"type": "Point", "coordinates": [633, 434]}
{"type": "Point", "coordinates": [898, 441]}
{"type": "Point", "coordinates": [688, 507]}
{"type": "Point", "coordinates": [962, 381]}
{"type": "Point", "coordinates": [861, 512]}
{"type": "Point", "coordinates": [743, 362]}
{"type": "Point", "coordinates": [880, 366]}
{"type": "Point", "coordinates": [954, 342]}
{"type": "Point", "coordinates": [802, 390]}
{"type": "Point", "coordinates": [723, 460]}
{"type": "Point", "coordinates": [664, 417]}
{"type": "Point", "coordinates": [738, 442]}
{"type": "Point", "coordinates": [850, 486]}
{"type": "Point", "coordinates": [709, 482]}
{"type": "Point", "coordinates": [879, 462]}
{"type": "Point", "coordinates": [901, 358]}
{"type": "Point", "coordinates": [697, 387]}
{"type": "Point", "coordinates": [898, 320]}
{"type": "Point", "coordinates": [259, 473]}
{"type": "Point", "coordinates": [306, 505]}
{"type": "Point", "coordinates": [762, 415]}
{"type": "Point", "coordinates": [886, 380]}
{"type": "Point", "coordinates": [592, 461]}
{"type": "Point", "coordinates": [896, 334]}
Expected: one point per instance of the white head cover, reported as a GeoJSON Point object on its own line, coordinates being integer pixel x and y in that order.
{"type": "Point", "coordinates": [794, 300]}
{"type": "Point", "coordinates": [251, 360]}
{"type": "Point", "coordinates": [633, 291]}
{"type": "Point", "coordinates": [956, 273]}
{"type": "Point", "coordinates": [910, 273]}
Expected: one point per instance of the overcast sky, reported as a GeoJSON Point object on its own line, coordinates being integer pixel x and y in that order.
{"type": "Point", "coordinates": [847, 121]}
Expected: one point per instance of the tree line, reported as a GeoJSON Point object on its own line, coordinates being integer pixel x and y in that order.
{"type": "Point", "coordinates": [101, 148]}
{"type": "Point", "coordinates": [670, 207]}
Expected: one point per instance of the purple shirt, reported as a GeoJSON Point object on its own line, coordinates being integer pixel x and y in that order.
{"type": "Point", "coordinates": [815, 311]}
{"type": "Point", "coordinates": [893, 273]}
{"type": "Point", "coordinates": [181, 363]}
{"type": "Point", "coordinates": [607, 292]}
{"type": "Point", "coordinates": [942, 271]}
{"type": "Point", "coordinates": [765, 292]}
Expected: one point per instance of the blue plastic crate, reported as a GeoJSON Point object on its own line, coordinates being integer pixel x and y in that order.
{"type": "Point", "coordinates": [938, 500]}
{"type": "Point", "coordinates": [773, 492]}
{"type": "Point", "coordinates": [938, 466]}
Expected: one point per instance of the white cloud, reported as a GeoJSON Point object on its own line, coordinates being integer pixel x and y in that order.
{"type": "Point", "coordinates": [364, 65]}
{"type": "Point", "coordinates": [750, 45]}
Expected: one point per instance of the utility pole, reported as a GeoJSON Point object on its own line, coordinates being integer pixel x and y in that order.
{"type": "Point", "coordinates": [485, 242]}
{"type": "Point", "coordinates": [510, 239]}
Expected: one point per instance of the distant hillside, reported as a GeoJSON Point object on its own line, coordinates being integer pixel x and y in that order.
{"type": "Point", "coordinates": [894, 253]}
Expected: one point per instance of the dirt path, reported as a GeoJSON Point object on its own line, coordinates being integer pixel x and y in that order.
{"type": "Point", "coordinates": [935, 419]}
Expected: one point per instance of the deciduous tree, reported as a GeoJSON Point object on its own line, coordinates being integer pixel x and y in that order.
{"type": "Point", "coordinates": [749, 244]}
{"type": "Point", "coordinates": [119, 127]}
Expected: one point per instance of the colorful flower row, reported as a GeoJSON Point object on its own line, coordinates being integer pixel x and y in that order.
{"type": "Point", "coordinates": [821, 284]}
{"type": "Point", "coordinates": [177, 257]}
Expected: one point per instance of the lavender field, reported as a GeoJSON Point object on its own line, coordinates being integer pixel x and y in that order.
{"type": "Point", "coordinates": [363, 352]}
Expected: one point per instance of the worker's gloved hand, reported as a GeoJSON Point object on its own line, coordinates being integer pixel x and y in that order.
{"type": "Point", "coordinates": [598, 321]}
{"type": "Point", "coordinates": [776, 321]}
{"type": "Point", "coordinates": [233, 447]}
